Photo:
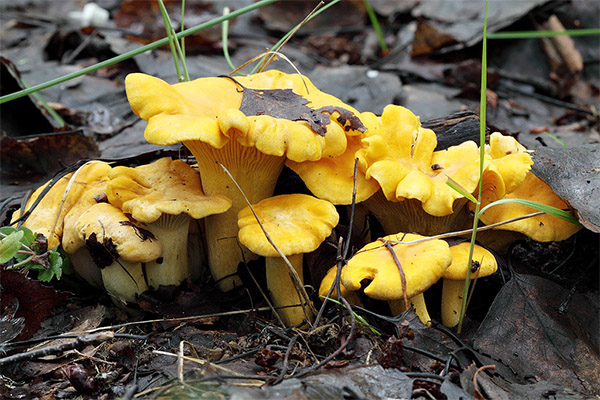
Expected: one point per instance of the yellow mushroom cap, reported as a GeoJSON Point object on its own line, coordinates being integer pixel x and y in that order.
{"type": "Point", "coordinates": [328, 281]}
{"type": "Point", "coordinates": [332, 178]}
{"type": "Point", "coordinates": [48, 218]}
{"type": "Point", "coordinates": [423, 264]}
{"type": "Point", "coordinates": [401, 157]}
{"type": "Point", "coordinates": [108, 224]}
{"type": "Point", "coordinates": [542, 228]}
{"type": "Point", "coordinates": [400, 146]}
{"type": "Point", "coordinates": [511, 159]}
{"type": "Point", "coordinates": [208, 109]}
{"type": "Point", "coordinates": [460, 256]}
{"type": "Point", "coordinates": [297, 224]}
{"type": "Point", "coordinates": [163, 187]}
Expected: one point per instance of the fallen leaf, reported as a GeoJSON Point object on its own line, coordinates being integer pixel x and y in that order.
{"type": "Point", "coordinates": [524, 330]}
{"type": "Point", "coordinates": [574, 174]}
{"type": "Point", "coordinates": [285, 104]}
{"type": "Point", "coordinates": [37, 302]}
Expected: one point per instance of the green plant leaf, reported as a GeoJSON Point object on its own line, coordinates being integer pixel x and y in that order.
{"type": "Point", "coordinates": [556, 212]}
{"type": "Point", "coordinates": [9, 246]}
{"type": "Point", "coordinates": [28, 236]}
{"type": "Point", "coordinates": [7, 230]}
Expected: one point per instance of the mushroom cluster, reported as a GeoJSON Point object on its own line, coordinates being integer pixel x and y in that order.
{"type": "Point", "coordinates": [247, 129]}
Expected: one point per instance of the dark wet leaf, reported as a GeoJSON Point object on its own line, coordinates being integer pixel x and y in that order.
{"type": "Point", "coordinates": [36, 301]}
{"type": "Point", "coordinates": [285, 104]}
{"type": "Point", "coordinates": [283, 16]}
{"type": "Point", "coordinates": [366, 382]}
{"type": "Point", "coordinates": [103, 254]}
{"type": "Point", "coordinates": [40, 156]}
{"type": "Point", "coordinates": [144, 23]}
{"type": "Point", "coordinates": [10, 327]}
{"type": "Point", "coordinates": [574, 174]}
{"type": "Point", "coordinates": [524, 330]}
{"type": "Point", "coordinates": [23, 116]}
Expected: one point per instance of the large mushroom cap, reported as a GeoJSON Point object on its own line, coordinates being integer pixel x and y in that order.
{"type": "Point", "coordinates": [110, 234]}
{"type": "Point", "coordinates": [423, 264]}
{"type": "Point", "coordinates": [163, 187]}
{"type": "Point", "coordinates": [216, 110]}
{"type": "Point", "coordinates": [297, 223]}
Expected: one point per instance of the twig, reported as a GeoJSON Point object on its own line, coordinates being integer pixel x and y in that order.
{"type": "Point", "coordinates": [79, 342]}
{"type": "Point", "coordinates": [151, 321]}
{"type": "Point", "coordinates": [475, 384]}
{"type": "Point", "coordinates": [388, 246]}
{"type": "Point", "coordinates": [286, 360]}
{"type": "Point", "coordinates": [339, 349]}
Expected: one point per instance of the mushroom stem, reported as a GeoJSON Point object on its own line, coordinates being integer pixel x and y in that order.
{"type": "Point", "coordinates": [171, 268]}
{"type": "Point", "coordinates": [452, 296]}
{"type": "Point", "coordinates": [84, 266]}
{"type": "Point", "coordinates": [124, 280]}
{"type": "Point", "coordinates": [408, 216]}
{"type": "Point", "coordinates": [256, 173]}
{"type": "Point", "coordinates": [418, 302]}
{"type": "Point", "coordinates": [283, 291]}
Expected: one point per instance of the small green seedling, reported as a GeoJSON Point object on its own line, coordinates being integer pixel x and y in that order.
{"type": "Point", "coordinates": [24, 250]}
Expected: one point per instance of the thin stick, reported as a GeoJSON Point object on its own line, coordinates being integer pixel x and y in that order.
{"type": "Point", "coordinates": [79, 342]}
{"type": "Point", "coordinates": [151, 321]}
{"type": "Point", "coordinates": [400, 269]}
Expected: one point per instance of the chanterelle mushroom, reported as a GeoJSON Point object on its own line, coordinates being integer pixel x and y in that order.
{"type": "Point", "coordinates": [422, 265]}
{"type": "Point", "coordinates": [297, 224]}
{"type": "Point", "coordinates": [483, 264]}
{"type": "Point", "coordinates": [542, 228]}
{"type": "Point", "coordinates": [165, 195]}
{"type": "Point", "coordinates": [249, 125]}
{"type": "Point", "coordinates": [118, 247]}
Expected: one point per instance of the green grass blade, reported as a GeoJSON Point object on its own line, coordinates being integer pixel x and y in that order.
{"type": "Point", "coordinates": [563, 144]}
{"type": "Point", "coordinates": [359, 318]}
{"type": "Point", "coordinates": [376, 26]}
{"type": "Point", "coordinates": [133, 53]}
{"type": "Point", "coordinates": [183, 38]}
{"type": "Point", "coordinates": [556, 212]}
{"type": "Point", "coordinates": [482, 126]}
{"type": "Point", "coordinates": [225, 40]}
{"type": "Point", "coordinates": [285, 37]}
{"type": "Point", "coordinates": [50, 110]}
{"type": "Point", "coordinates": [457, 187]}
{"type": "Point", "coordinates": [169, 30]}
{"type": "Point", "coordinates": [542, 34]}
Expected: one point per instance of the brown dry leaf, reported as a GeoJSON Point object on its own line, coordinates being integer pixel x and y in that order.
{"type": "Point", "coordinates": [285, 104]}
{"type": "Point", "coordinates": [524, 330]}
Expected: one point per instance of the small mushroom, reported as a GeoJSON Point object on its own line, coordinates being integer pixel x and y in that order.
{"type": "Point", "coordinates": [297, 224]}
{"type": "Point", "coordinates": [212, 118]}
{"type": "Point", "coordinates": [165, 195]}
{"type": "Point", "coordinates": [326, 283]}
{"type": "Point", "coordinates": [422, 265]}
{"type": "Point", "coordinates": [483, 264]}
{"type": "Point", "coordinates": [542, 228]}
{"type": "Point", "coordinates": [118, 247]}
{"type": "Point", "coordinates": [75, 189]}
{"type": "Point", "coordinates": [58, 210]}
